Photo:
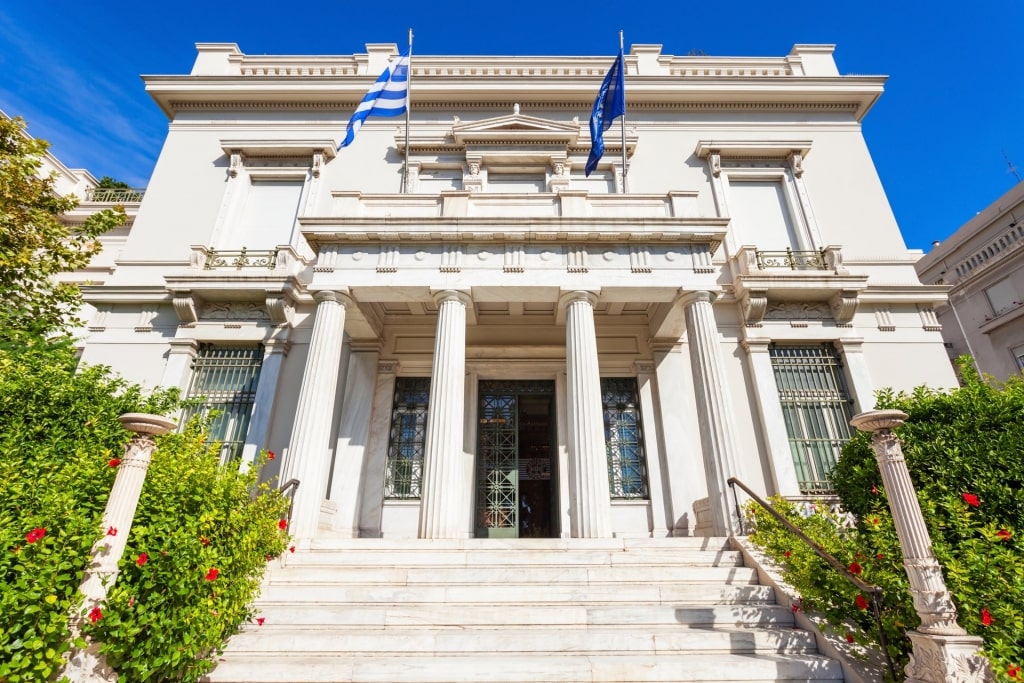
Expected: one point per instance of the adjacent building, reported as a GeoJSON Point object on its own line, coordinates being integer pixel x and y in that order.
{"type": "Point", "coordinates": [509, 348]}
{"type": "Point", "coordinates": [983, 264]}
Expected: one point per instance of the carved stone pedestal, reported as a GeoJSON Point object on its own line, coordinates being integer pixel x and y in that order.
{"type": "Point", "coordinates": [938, 659]}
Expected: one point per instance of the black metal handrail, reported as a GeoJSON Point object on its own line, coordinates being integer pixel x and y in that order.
{"type": "Point", "coordinates": [874, 592]}
{"type": "Point", "coordinates": [290, 486]}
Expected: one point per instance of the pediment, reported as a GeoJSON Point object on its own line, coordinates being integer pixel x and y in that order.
{"type": "Point", "coordinates": [516, 128]}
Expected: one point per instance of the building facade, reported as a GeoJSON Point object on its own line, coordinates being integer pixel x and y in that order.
{"type": "Point", "coordinates": [509, 348]}
{"type": "Point", "coordinates": [983, 264]}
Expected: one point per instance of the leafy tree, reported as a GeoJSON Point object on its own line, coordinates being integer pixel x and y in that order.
{"type": "Point", "coordinates": [963, 449]}
{"type": "Point", "coordinates": [36, 245]}
{"type": "Point", "coordinates": [108, 182]}
{"type": "Point", "coordinates": [60, 442]}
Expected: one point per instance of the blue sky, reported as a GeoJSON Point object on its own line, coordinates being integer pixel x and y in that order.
{"type": "Point", "coordinates": [954, 103]}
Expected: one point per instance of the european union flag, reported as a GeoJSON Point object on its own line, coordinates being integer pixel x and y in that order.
{"type": "Point", "coordinates": [609, 105]}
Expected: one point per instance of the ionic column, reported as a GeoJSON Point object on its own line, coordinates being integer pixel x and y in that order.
{"type": "Point", "coordinates": [714, 407]}
{"type": "Point", "coordinates": [308, 451]}
{"type": "Point", "coordinates": [590, 504]}
{"type": "Point", "coordinates": [943, 651]}
{"type": "Point", "coordinates": [274, 352]}
{"type": "Point", "coordinates": [773, 422]}
{"type": "Point", "coordinates": [442, 512]}
{"type": "Point", "coordinates": [86, 663]}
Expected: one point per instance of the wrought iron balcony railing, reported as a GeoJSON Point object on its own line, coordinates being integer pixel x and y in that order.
{"type": "Point", "coordinates": [241, 259]}
{"type": "Point", "coordinates": [793, 260]}
{"type": "Point", "coordinates": [114, 195]}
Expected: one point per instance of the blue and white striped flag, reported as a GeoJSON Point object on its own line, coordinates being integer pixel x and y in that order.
{"type": "Point", "coordinates": [389, 96]}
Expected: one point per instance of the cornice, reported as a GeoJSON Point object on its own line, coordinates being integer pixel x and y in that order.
{"type": "Point", "coordinates": [447, 106]}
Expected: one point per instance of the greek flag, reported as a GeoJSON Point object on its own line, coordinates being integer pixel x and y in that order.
{"type": "Point", "coordinates": [389, 96]}
{"type": "Point", "coordinates": [609, 105]}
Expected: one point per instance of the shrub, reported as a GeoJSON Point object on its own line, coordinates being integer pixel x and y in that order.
{"type": "Point", "coordinates": [58, 433]}
{"type": "Point", "coordinates": [963, 450]}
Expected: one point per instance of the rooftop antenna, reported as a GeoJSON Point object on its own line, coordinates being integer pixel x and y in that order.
{"type": "Point", "coordinates": [1010, 167]}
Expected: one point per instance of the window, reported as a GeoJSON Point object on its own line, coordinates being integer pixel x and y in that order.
{"type": "Point", "coordinates": [515, 182]}
{"type": "Point", "coordinates": [436, 181]}
{"type": "Point", "coordinates": [1002, 296]}
{"type": "Point", "coordinates": [816, 407]}
{"type": "Point", "coordinates": [403, 474]}
{"type": "Point", "coordinates": [1018, 355]}
{"type": "Point", "coordinates": [627, 475]}
{"type": "Point", "coordinates": [269, 215]}
{"type": "Point", "coordinates": [761, 214]}
{"type": "Point", "coordinates": [223, 389]}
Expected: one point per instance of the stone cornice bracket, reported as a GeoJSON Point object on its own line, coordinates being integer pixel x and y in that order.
{"type": "Point", "coordinates": [844, 306]}
{"type": "Point", "coordinates": [237, 161]}
{"type": "Point", "coordinates": [796, 162]}
{"type": "Point", "coordinates": [280, 308]}
{"type": "Point", "coordinates": [318, 162]}
{"type": "Point", "coordinates": [185, 306]}
{"type": "Point", "coordinates": [753, 304]}
{"type": "Point", "coordinates": [715, 161]}
{"type": "Point", "coordinates": [569, 296]}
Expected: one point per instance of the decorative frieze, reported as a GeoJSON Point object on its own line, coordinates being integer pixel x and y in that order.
{"type": "Point", "coordinates": [451, 258]}
{"type": "Point", "coordinates": [387, 258]}
{"type": "Point", "coordinates": [146, 317]}
{"type": "Point", "coordinates": [233, 310]}
{"type": "Point", "coordinates": [639, 259]}
{"type": "Point", "coordinates": [883, 317]}
{"type": "Point", "coordinates": [577, 259]}
{"type": "Point", "coordinates": [798, 310]}
{"type": "Point", "coordinates": [929, 321]}
{"type": "Point", "coordinates": [514, 258]}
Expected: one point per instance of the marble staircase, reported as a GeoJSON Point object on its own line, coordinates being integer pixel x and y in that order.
{"type": "Point", "coordinates": [520, 611]}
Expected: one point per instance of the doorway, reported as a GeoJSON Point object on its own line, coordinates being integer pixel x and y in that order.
{"type": "Point", "coordinates": [516, 487]}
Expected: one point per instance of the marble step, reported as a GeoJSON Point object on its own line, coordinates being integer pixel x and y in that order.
{"type": "Point", "coordinates": [483, 544]}
{"type": "Point", "coordinates": [392, 558]}
{"type": "Point", "coordinates": [562, 592]}
{"type": "Point", "coordinates": [661, 640]}
{"type": "Point", "coordinates": [520, 668]}
{"type": "Point", "coordinates": [497, 575]}
{"type": "Point", "coordinates": [378, 616]}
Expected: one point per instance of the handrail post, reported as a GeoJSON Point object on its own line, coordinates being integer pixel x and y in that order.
{"type": "Point", "coordinates": [942, 650]}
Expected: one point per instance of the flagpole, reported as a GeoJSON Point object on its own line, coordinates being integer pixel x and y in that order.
{"type": "Point", "coordinates": [408, 106]}
{"type": "Point", "coordinates": [625, 181]}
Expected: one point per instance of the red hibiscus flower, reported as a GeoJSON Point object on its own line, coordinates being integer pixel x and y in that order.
{"type": "Point", "coordinates": [269, 558]}
{"type": "Point", "coordinates": [114, 462]}
{"type": "Point", "coordinates": [282, 524]}
{"type": "Point", "coordinates": [131, 601]}
{"type": "Point", "coordinates": [291, 549]}
{"type": "Point", "coordinates": [35, 534]}
{"type": "Point", "coordinates": [95, 614]}
{"type": "Point", "coordinates": [204, 540]}
{"type": "Point", "coordinates": [986, 617]}
{"type": "Point", "coordinates": [142, 559]}
{"type": "Point", "coordinates": [879, 556]}
{"type": "Point", "coordinates": [862, 604]}
{"type": "Point", "coordinates": [111, 531]}
{"type": "Point", "coordinates": [260, 620]}
{"type": "Point", "coordinates": [1013, 672]}
{"type": "Point", "coordinates": [270, 455]}
{"type": "Point", "coordinates": [874, 490]}
{"type": "Point", "coordinates": [795, 607]}
{"type": "Point", "coordinates": [855, 568]}
{"type": "Point", "coordinates": [787, 553]}
{"type": "Point", "coordinates": [849, 637]}
{"type": "Point", "coordinates": [212, 574]}
{"type": "Point", "coordinates": [1004, 534]}
{"type": "Point", "coordinates": [972, 500]}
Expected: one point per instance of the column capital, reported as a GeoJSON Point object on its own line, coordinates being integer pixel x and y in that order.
{"type": "Point", "coordinates": [440, 296]}
{"type": "Point", "coordinates": [878, 420]}
{"type": "Point", "coordinates": [756, 345]}
{"type": "Point", "coordinates": [665, 344]}
{"type": "Point", "coordinates": [184, 346]}
{"type": "Point", "coordinates": [644, 367]}
{"type": "Point", "coordinates": [341, 296]}
{"type": "Point", "coordinates": [687, 298]}
{"type": "Point", "coordinates": [276, 345]}
{"type": "Point", "coordinates": [851, 345]}
{"type": "Point", "coordinates": [388, 367]}
{"type": "Point", "coordinates": [570, 296]}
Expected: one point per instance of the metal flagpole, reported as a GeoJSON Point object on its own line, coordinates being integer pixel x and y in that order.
{"type": "Point", "coordinates": [625, 181]}
{"type": "Point", "coordinates": [408, 106]}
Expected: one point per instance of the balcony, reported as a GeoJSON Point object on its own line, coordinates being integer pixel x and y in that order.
{"type": "Point", "coordinates": [237, 260]}
{"type": "Point", "coordinates": [115, 195]}
{"type": "Point", "coordinates": [761, 276]}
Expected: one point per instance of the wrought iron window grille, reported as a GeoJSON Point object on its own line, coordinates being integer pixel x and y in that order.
{"type": "Point", "coordinates": [794, 260]}
{"type": "Point", "coordinates": [623, 433]}
{"type": "Point", "coordinates": [403, 474]}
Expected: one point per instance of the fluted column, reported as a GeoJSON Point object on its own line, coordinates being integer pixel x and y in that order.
{"type": "Point", "coordinates": [714, 407]}
{"type": "Point", "coordinates": [943, 651]}
{"type": "Point", "coordinates": [442, 509]}
{"type": "Point", "coordinates": [308, 455]}
{"type": "Point", "coordinates": [86, 664]}
{"type": "Point", "coordinates": [590, 504]}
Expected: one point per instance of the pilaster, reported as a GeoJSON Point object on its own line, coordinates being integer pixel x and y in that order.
{"type": "Point", "coordinates": [588, 459]}
{"type": "Point", "coordinates": [861, 386]}
{"type": "Point", "coordinates": [442, 513]}
{"type": "Point", "coordinates": [773, 422]}
{"type": "Point", "coordinates": [179, 363]}
{"type": "Point", "coordinates": [308, 455]}
{"type": "Point", "coordinates": [714, 406]}
{"type": "Point", "coordinates": [661, 505]}
{"type": "Point", "coordinates": [274, 353]}
{"type": "Point", "coordinates": [372, 499]}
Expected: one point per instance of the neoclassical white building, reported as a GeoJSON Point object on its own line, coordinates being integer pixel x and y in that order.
{"type": "Point", "coordinates": [510, 348]}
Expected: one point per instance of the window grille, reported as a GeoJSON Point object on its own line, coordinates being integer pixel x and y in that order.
{"type": "Point", "coordinates": [224, 380]}
{"type": "Point", "coordinates": [627, 473]}
{"type": "Point", "coordinates": [404, 470]}
{"type": "Point", "coordinates": [816, 407]}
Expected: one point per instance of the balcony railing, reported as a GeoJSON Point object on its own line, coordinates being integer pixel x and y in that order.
{"type": "Point", "coordinates": [793, 260]}
{"type": "Point", "coordinates": [114, 195]}
{"type": "Point", "coordinates": [241, 259]}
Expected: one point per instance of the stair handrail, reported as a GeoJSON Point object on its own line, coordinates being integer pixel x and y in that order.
{"type": "Point", "coordinates": [290, 486]}
{"type": "Point", "coordinates": [874, 592]}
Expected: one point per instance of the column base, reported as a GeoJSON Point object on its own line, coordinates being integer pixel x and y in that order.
{"type": "Point", "coordinates": [937, 659]}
